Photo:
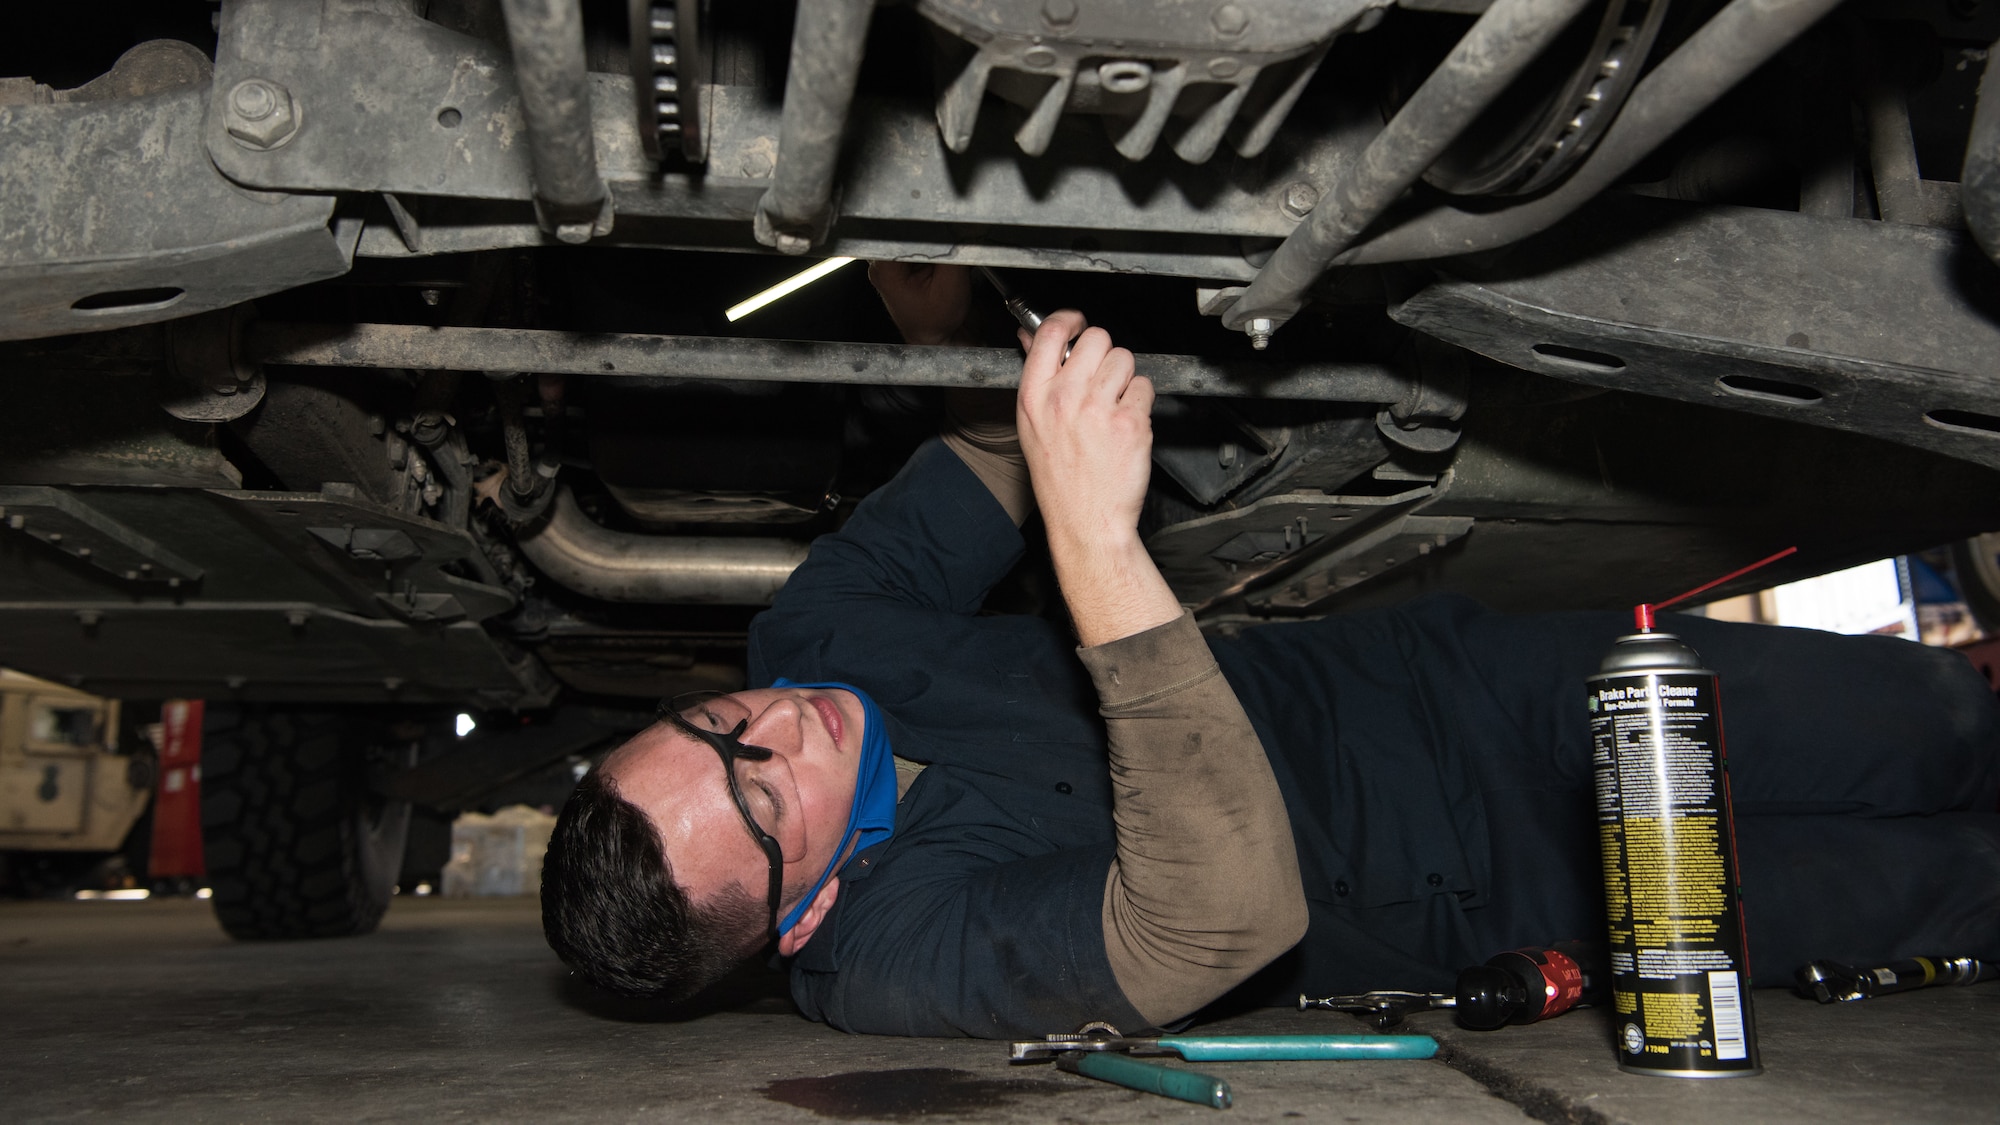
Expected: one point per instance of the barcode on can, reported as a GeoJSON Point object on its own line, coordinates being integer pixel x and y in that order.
{"type": "Point", "coordinates": [1727, 1004]}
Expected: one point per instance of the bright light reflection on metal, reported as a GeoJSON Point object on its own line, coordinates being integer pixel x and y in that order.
{"type": "Point", "coordinates": [130, 894]}
{"type": "Point", "coordinates": [791, 284]}
{"type": "Point", "coordinates": [465, 724]}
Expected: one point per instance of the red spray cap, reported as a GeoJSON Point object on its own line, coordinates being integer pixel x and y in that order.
{"type": "Point", "coordinates": [1643, 613]}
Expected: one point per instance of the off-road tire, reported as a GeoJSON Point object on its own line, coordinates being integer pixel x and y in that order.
{"type": "Point", "coordinates": [1977, 563]}
{"type": "Point", "coordinates": [295, 845]}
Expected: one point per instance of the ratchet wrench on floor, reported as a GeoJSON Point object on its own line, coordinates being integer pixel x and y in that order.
{"type": "Point", "coordinates": [1385, 1008]}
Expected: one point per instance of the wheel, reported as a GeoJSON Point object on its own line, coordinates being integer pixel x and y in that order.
{"type": "Point", "coordinates": [1977, 563]}
{"type": "Point", "coordinates": [295, 844]}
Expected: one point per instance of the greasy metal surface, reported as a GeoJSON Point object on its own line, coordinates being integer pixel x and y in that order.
{"type": "Point", "coordinates": [373, 84]}
{"type": "Point", "coordinates": [1732, 44]}
{"type": "Point", "coordinates": [1519, 147]}
{"type": "Point", "coordinates": [714, 357]}
{"type": "Point", "coordinates": [292, 596]}
{"type": "Point", "coordinates": [1598, 500]}
{"type": "Point", "coordinates": [1981, 178]}
{"type": "Point", "coordinates": [904, 196]}
{"type": "Point", "coordinates": [1892, 155]}
{"type": "Point", "coordinates": [547, 37]}
{"type": "Point", "coordinates": [253, 651]}
{"type": "Point", "coordinates": [622, 567]}
{"type": "Point", "coordinates": [206, 353]}
{"type": "Point", "coordinates": [898, 151]}
{"type": "Point", "coordinates": [1498, 47]}
{"type": "Point", "coordinates": [1220, 555]}
{"type": "Point", "coordinates": [1748, 309]}
{"type": "Point", "coordinates": [64, 522]}
{"type": "Point", "coordinates": [391, 102]}
{"type": "Point", "coordinates": [974, 207]}
{"type": "Point", "coordinates": [1399, 542]}
{"type": "Point", "coordinates": [308, 435]}
{"type": "Point", "coordinates": [118, 197]}
{"type": "Point", "coordinates": [69, 427]}
{"type": "Point", "coordinates": [828, 39]}
{"type": "Point", "coordinates": [669, 64]}
{"type": "Point", "coordinates": [412, 577]}
{"type": "Point", "coordinates": [1133, 64]}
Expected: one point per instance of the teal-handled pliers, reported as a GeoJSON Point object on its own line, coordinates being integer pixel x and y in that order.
{"type": "Point", "coordinates": [1244, 1048]}
{"type": "Point", "coordinates": [1098, 1051]}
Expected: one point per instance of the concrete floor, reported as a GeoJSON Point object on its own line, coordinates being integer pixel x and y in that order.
{"type": "Point", "coordinates": [145, 1012]}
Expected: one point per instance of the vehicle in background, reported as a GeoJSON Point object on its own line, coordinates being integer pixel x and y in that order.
{"type": "Point", "coordinates": [70, 792]}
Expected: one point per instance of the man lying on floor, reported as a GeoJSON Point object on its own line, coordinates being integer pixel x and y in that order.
{"type": "Point", "coordinates": [1134, 828]}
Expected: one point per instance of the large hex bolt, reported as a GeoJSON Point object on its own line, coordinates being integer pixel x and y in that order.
{"type": "Point", "coordinates": [261, 114]}
{"type": "Point", "coordinates": [1300, 199]}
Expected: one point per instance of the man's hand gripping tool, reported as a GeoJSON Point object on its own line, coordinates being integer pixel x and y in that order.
{"type": "Point", "coordinates": [1023, 313]}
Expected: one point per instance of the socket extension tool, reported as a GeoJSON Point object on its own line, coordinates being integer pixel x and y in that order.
{"type": "Point", "coordinates": [1023, 313]}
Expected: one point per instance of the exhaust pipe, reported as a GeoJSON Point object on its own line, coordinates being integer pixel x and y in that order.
{"type": "Point", "coordinates": [578, 554]}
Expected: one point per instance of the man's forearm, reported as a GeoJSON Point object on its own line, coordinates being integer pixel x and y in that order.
{"type": "Point", "coordinates": [1111, 585]}
{"type": "Point", "coordinates": [1206, 889]}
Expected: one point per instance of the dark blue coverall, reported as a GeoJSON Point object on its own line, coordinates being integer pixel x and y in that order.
{"type": "Point", "coordinates": [1435, 763]}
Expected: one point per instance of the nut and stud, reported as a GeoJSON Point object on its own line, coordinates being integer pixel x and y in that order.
{"type": "Point", "coordinates": [1300, 199]}
{"type": "Point", "coordinates": [1059, 13]}
{"type": "Point", "coordinates": [261, 114]}
{"type": "Point", "coordinates": [253, 100]}
{"type": "Point", "coordinates": [1260, 329]}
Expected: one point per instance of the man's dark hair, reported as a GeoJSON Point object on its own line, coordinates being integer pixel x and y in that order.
{"type": "Point", "coordinates": [612, 911]}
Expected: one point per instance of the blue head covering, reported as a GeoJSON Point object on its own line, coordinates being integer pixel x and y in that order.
{"type": "Point", "coordinates": [873, 817]}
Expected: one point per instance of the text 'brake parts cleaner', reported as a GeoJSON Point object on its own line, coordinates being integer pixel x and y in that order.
{"type": "Point", "coordinates": [1680, 1005]}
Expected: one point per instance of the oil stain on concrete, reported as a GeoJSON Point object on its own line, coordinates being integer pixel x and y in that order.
{"type": "Point", "coordinates": [906, 1095]}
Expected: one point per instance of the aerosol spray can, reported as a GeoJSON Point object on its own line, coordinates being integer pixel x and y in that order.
{"type": "Point", "coordinates": [1680, 995]}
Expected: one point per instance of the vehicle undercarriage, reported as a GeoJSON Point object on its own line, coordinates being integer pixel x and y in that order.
{"type": "Point", "coordinates": [369, 356]}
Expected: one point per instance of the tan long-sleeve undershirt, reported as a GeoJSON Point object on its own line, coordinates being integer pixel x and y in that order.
{"type": "Point", "coordinates": [979, 427]}
{"type": "Point", "coordinates": [1205, 888]}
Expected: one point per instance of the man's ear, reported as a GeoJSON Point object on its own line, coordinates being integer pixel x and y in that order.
{"type": "Point", "coordinates": [796, 938]}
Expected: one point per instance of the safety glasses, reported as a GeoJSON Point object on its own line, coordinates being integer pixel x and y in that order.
{"type": "Point", "coordinates": [719, 722]}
